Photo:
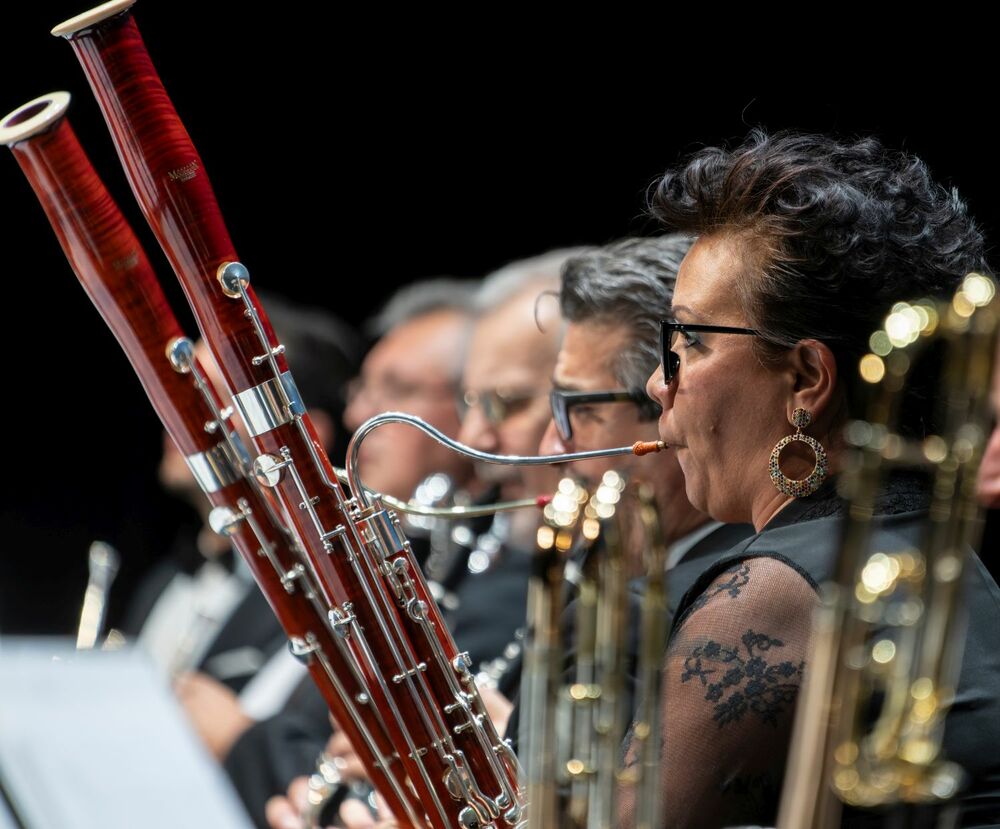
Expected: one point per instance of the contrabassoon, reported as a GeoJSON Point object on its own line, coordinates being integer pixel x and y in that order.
{"type": "Point", "coordinates": [117, 276]}
{"type": "Point", "coordinates": [337, 569]}
{"type": "Point", "coordinates": [377, 600]}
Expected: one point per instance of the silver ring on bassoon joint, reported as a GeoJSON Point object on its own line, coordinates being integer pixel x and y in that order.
{"type": "Point", "coordinates": [215, 468]}
{"type": "Point", "coordinates": [262, 407]}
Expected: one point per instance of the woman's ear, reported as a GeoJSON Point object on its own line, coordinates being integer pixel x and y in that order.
{"type": "Point", "coordinates": [814, 379]}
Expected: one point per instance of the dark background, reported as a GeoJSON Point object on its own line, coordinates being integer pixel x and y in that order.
{"type": "Point", "coordinates": [350, 157]}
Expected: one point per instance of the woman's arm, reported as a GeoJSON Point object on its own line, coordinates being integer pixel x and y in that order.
{"type": "Point", "coordinates": [731, 677]}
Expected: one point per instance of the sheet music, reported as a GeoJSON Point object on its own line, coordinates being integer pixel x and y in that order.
{"type": "Point", "coordinates": [95, 740]}
{"type": "Point", "coordinates": [7, 820]}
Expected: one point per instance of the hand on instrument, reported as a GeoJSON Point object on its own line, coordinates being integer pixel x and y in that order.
{"type": "Point", "coordinates": [214, 711]}
{"type": "Point", "coordinates": [497, 706]}
{"type": "Point", "coordinates": [286, 812]}
{"type": "Point", "coordinates": [356, 815]}
{"type": "Point", "coordinates": [341, 754]}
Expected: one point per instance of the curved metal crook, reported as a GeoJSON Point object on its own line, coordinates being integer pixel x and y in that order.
{"type": "Point", "coordinates": [362, 494]}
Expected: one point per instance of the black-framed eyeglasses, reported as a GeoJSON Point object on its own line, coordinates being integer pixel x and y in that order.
{"type": "Point", "coordinates": [669, 329]}
{"type": "Point", "coordinates": [563, 401]}
{"type": "Point", "coordinates": [497, 404]}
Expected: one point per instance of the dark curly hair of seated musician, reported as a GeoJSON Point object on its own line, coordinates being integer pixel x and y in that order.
{"type": "Point", "coordinates": [831, 233]}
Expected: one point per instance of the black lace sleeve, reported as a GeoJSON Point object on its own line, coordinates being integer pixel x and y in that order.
{"type": "Point", "coordinates": [731, 678]}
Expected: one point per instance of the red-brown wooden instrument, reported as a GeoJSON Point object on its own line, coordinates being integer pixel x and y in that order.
{"type": "Point", "coordinates": [418, 684]}
{"type": "Point", "coordinates": [116, 274]}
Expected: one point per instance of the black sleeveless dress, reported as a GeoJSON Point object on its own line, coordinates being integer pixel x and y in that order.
{"type": "Point", "coordinates": [805, 536]}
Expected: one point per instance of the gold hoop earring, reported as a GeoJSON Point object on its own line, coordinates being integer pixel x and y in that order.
{"type": "Point", "coordinates": [807, 486]}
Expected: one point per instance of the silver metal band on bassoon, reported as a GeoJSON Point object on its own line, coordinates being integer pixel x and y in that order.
{"type": "Point", "coordinates": [387, 532]}
{"type": "Point", "coordinates": [217, 468]}
{"type": "Point", "coordinates": [263, 407]}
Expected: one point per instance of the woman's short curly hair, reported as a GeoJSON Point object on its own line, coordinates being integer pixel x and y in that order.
{"type": "Point", "coordinates": [833, 232]}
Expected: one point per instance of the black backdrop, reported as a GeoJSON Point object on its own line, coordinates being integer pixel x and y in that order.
{"type": "Point", "coordinates": [351, 156]}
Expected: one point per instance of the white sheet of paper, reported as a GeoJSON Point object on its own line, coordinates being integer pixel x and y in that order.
{"type": "Point", "coordinates": [95, 740]}
{"type": "Point", "coordinates": [6, 818]}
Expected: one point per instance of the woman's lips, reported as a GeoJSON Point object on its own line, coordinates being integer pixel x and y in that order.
{"type": "Point", "coordinates": [671, 442]}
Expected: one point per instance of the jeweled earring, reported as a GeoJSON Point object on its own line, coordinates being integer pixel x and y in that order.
{"type": "Point", "coordinates": [807, 486]}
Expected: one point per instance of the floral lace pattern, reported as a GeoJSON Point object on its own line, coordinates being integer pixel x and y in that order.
{"type": "Point", "coordinates": [739, 577]}
{"type": "Point", "coordinates": [741, 679]}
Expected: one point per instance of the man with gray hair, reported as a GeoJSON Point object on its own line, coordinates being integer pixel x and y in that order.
{"type": "Point", "coordinates": [506, 375]}
{"type": "Point", "coordinates": [414, 366]}
{"type": "Point", "coordinates": [612, 300]}
{"type": "Point", "coordinates": [504, 403]}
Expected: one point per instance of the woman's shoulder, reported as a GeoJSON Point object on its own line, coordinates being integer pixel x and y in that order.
{"type": "Point", "coordinates": [793, 553]}
{"type": "Point", "coordinates": [751, 585]}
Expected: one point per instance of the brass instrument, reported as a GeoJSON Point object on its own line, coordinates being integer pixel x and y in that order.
{"type": "Point", "coordinates": [644, 775]}
{"type": "Point", "coordinates": [571, 734]}
{"type": "Point", "coordinates": [592, 709]}
{"type": "Point", "coordinates": [890, 630]}
{"type": "Point", "coordinates": [543, 658]}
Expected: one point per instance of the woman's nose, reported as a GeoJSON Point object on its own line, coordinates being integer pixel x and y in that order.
{"type": "Point", "coordinates": [662, 393]}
